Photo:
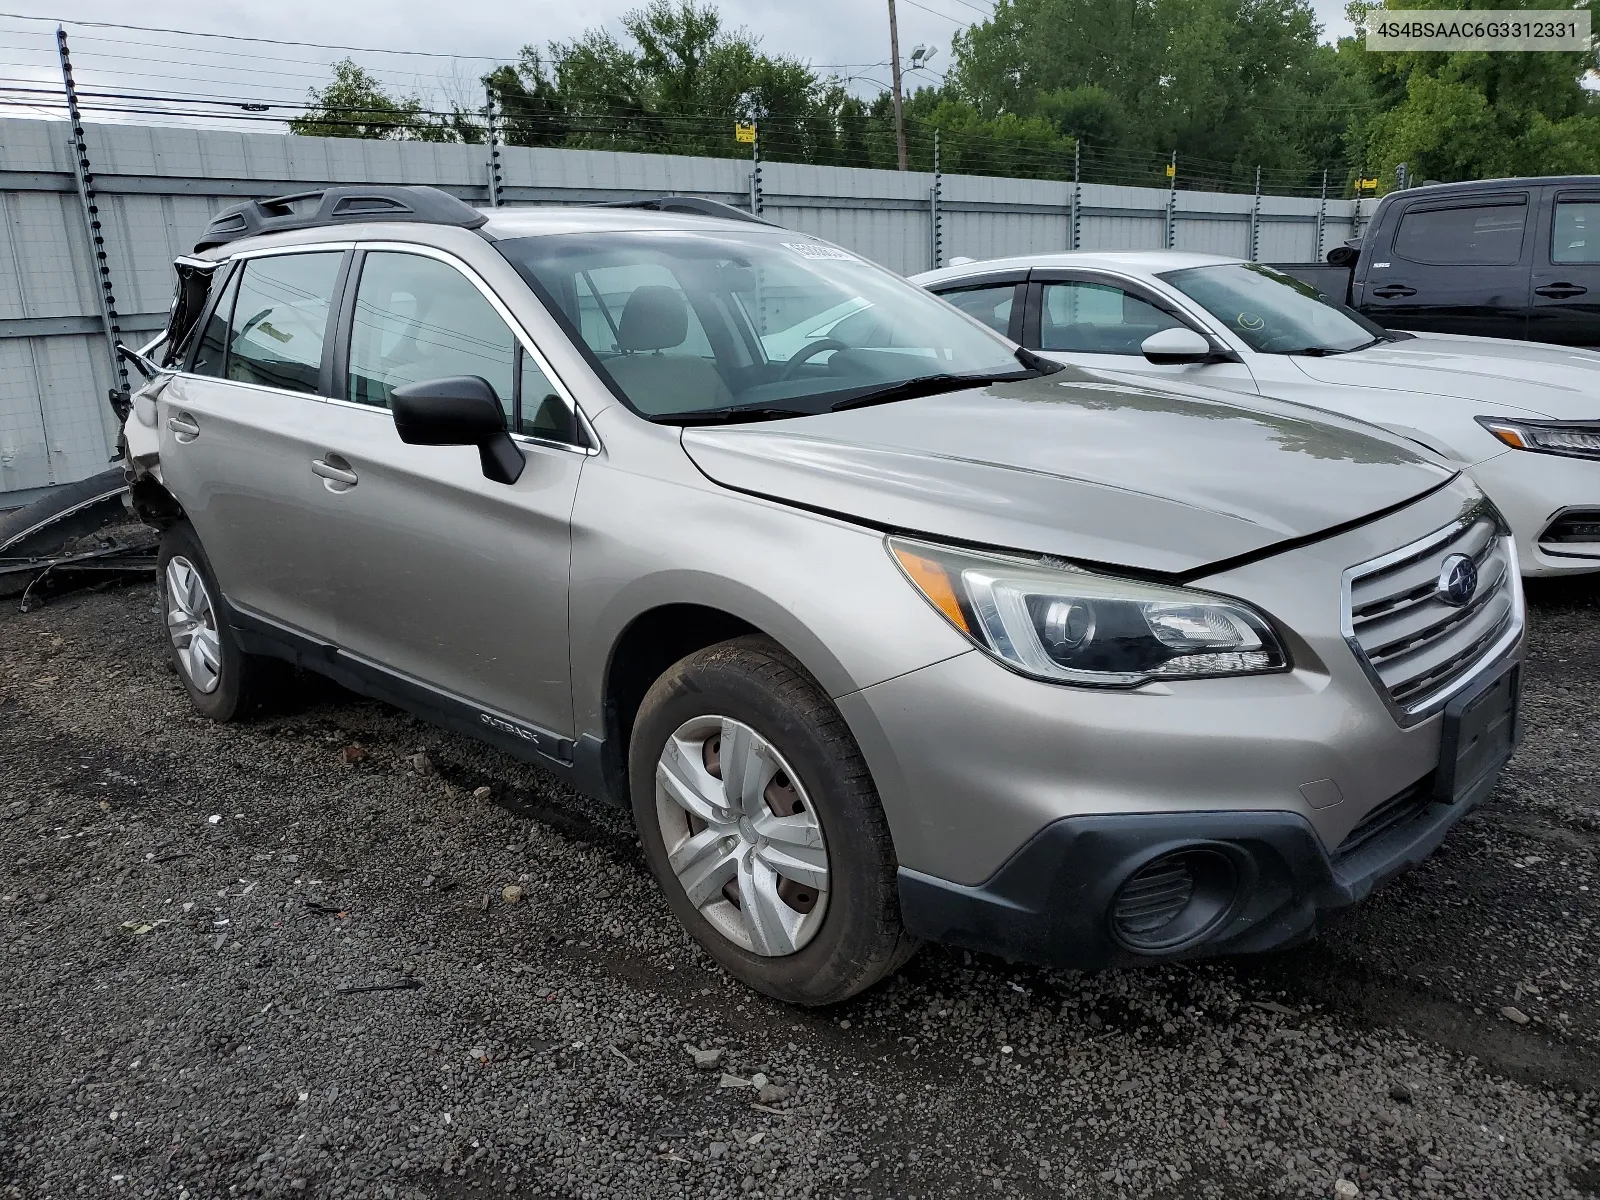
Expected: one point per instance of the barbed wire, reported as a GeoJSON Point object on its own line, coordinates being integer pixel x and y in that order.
{"type": "Point", "coordinates": [260, 97]}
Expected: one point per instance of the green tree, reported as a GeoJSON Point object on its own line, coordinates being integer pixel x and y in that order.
{"type": "Point", "coordinates": [531, 104]}
{"type": "Point", "coordinates": [1469, 115]}
{"type": "Point", "coordinates": [677, 82]}
{"type": "Point", "coordinates": [1229, 84]}
{"type": "Point", "coordinates": [354, 104]}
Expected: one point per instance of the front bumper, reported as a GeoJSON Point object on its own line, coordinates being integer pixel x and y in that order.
{"type": "Point", "coordinates": [1019, 808]}
{"type": "Point", "coordinates": [1049, 903]}
{"type": "Point", "coordinates": [1532, 491]}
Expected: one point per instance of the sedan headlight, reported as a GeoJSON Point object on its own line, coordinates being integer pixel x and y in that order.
{"type": "Point", "coordinates": [1055, 621]}
{"type": "Point", "coordinates": [1575, 439]}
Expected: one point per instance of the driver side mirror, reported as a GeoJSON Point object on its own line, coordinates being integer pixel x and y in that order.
{"type": "Point", "coordinates": [461, 410]}
{"type": "Point", "coordinates": [1178, 345]}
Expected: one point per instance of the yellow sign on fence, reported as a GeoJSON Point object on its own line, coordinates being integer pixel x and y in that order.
{"type": "Point", "coordinates": [1366, 185]}
{"type": "Point", "coordinates": [1171, 170]}
{"type": "Point", "coordinates": [743, 132]}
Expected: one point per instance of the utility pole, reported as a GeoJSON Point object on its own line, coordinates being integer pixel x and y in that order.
{"type": "Point", "coordinates": [1077, 193]}
{"type": "Point", "coordinates": [491, 137]}
{"type": "Point", "coordinates": [899, 114]}
{"type": "Point", "coordinates": [89, 201]}
{"type": "Point", "coordinates": [757, 202]}
{"type": "Point", "coordinates": [1355, 217]}
{"type": "Point", "coordinates": [1322, 213]}
{"type": "Point", "coordinates": [1255, 221]}
{"type": "Point", "coordinates": [1169, 234]}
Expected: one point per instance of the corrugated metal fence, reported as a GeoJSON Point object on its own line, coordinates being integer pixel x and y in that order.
{"type": "Point", "coordinates": [158, 186]}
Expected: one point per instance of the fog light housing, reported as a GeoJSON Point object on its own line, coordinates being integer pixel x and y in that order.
{"type": "Point", "coordinates": [1175, 900]}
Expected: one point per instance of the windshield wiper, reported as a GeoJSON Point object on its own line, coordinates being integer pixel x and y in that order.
{"type": "Point", "coordinates": [731, 414]}
{"type": "Point", "coordinates": [1330, 351]}
{"type": "Point", "coordinates": [925, 385]}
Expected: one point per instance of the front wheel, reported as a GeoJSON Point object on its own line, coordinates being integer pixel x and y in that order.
{"type": "Point", "coordinates": [760, 822]}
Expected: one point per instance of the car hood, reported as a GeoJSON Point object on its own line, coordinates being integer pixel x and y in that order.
{"type": "Point", "coordinates": [1498, 377]}
{"type": "Point", "coordinates": [1073, 464]}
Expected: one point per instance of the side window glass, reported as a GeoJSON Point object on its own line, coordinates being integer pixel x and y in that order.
{"type": "Point", "coordinates": [279, 318]}
{"type": "Point", "coordinates": [991, 305]}
{"type": "Point", "coordinates": [1484, 235]}
{"type": "Point", "coordinates": [418, 318]}
{"type": "Point", "coordinates": [1575, 237]}
{"type": "Point", "coordinates": [211, 354]}
{"type": "Point", "coordinates": [541, 412]}
{"type": "Point", "coordinates": [1096, 318]}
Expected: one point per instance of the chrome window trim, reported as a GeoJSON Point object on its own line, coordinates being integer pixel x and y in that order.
{"type": "Point", "coordinates": [592, 439]}
{"type": "Point", "coordinates": [267, 252]}
{"type": "Point", "coordinates": [592, 444]}
{"type": "Point", "coordinates": [276, 251]}
{"type": "Point", "coordinates": [1408, 715]}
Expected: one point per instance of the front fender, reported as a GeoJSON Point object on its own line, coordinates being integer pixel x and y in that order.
{"type": "Point", "coordinates": [824, 589]}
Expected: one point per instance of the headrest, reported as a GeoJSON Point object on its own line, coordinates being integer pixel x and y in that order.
{"type": "Point", "coordinates": [654, 318]}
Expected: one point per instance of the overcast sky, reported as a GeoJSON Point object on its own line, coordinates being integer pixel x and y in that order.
{"type": "Point", "coordinates": [847, 37]}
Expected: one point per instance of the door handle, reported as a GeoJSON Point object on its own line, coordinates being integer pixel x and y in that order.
{"type": "Point", "coordinates": [1560, 291]}
{"type": "Point", "coordinates": [335, 471]}
{"type": "Point", "coordinates": [185, 426]}
{"type": "Point", "coordinates": [1393, 291]}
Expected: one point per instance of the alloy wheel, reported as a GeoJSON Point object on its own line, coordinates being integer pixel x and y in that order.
{"type": "Point", "coordinates": [742, 836]}
{"type": "Point", "coordinates": [192, 624]}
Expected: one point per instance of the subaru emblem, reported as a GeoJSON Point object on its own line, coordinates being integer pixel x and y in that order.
{"type": "Point", "coordinates": [1458, 580]}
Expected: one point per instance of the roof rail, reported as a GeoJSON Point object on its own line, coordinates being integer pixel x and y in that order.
{"type": "Point", "coordinates": [338, 206]}
{"type": "Point", "coordinates": [687, 204]}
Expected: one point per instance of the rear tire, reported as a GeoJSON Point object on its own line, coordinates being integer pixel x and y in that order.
{"type": "Point", "coordinates": [223, 682]}
{"type": "Point", "coordinates": [792, 870]}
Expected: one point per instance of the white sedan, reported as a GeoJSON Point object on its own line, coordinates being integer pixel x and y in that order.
{"type": "Point", "coordinates": [1522, 418]}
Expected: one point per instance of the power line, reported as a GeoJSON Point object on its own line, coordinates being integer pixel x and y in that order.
{"type": "Point", "coordinates": [954, 20]}
{"type": "Point", "coordinates": [239, 37]}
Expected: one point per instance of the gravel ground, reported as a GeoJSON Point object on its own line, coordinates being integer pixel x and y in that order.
{"type": "Point", "coordinates": [190, 914]}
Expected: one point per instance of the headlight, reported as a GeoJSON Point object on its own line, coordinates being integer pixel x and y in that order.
{"type": "Point", "coordinates": [1055, 621]}
{"type": "Point", "coordinates": [1575, 439]}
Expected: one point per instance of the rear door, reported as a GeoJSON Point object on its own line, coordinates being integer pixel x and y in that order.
{"type": "Point", "coordinates": [1090, 319]}
{"type": "Point", "coordinates": [1566, 271]}
{"type": "Point", "coordinates": [1455, 266]}
{"type": "Point", "coordinates": [234, 425]}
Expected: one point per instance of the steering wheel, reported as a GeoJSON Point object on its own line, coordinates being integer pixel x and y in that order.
{"type": "Point", "coordinates": [807, 352]}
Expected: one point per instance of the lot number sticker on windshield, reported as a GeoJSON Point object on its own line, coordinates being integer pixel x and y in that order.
{"type": "Point", "coordinates": [813, 250]}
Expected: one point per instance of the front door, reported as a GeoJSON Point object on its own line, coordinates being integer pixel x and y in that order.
{"type": "Point", "coordinates": [1455, 266]}
{"type": "Point", "coordinates": [1566, 273]}
{"type": "Point", "coordinates": [235, 436]}
{"type": "Point", "coordinates": [1095, 321]}
{"type": "Point", "coordinates": [440, 574]}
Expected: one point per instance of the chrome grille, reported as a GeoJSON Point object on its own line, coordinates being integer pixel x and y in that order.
{"type": "Point", "coordinates": [1415, 643]}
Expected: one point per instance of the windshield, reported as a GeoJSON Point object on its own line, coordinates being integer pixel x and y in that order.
{"type": "Point", "coordinates": [702, 322]}
{"type": "Point", "coordinates": [1274, 313]}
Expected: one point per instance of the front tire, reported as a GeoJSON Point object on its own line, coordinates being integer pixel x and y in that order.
{"type": "Point", "coordinates": [759, 820]}
{"type": "Point", "coordinates": [223, 682]}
